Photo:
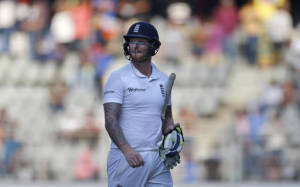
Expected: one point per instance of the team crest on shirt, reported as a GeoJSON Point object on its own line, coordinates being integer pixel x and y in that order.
{"type": "Point", "coordinates": [162, 90]}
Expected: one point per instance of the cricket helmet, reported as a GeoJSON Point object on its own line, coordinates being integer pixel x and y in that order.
{"type": "Point", "coordinates": [142, 30]}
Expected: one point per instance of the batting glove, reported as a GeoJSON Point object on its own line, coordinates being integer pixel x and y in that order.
{"type": "Point", "coordinates": [170, 147]}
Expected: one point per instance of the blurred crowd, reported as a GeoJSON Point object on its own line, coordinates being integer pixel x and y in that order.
{"type": "Point", "coordinates": [76, 42]}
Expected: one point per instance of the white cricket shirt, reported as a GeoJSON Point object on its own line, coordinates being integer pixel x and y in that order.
{"type": "Point", "coordinates": [141, 100]}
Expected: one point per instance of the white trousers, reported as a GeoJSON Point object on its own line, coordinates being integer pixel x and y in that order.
{"type": "Point", "coordinates": [152, 174]}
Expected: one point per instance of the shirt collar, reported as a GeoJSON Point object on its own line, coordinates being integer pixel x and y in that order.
{"type": "Point", "coordinates": [154, 75]}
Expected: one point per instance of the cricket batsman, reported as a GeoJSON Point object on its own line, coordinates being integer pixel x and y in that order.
{"type": "Point", "coordinates": [145, 144]}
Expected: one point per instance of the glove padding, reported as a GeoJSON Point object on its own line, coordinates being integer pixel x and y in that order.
{"type": "Point", "coordinates": [171, 162]}
{"type": "Point", "coordinates": [170, 147]}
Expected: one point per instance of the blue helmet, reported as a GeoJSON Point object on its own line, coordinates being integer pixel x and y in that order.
{"type": "Point", "coordinates": [142, 30]}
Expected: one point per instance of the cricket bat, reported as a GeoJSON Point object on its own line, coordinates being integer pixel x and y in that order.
{"type": "Point", "coordinates": [169, 87]}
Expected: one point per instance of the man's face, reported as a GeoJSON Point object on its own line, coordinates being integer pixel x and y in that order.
{"type": "Point", "coordinates": [139, 49]}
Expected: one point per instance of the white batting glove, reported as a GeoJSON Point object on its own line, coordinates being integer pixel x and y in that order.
{"type": "Point", "coordinates": [170, 147]}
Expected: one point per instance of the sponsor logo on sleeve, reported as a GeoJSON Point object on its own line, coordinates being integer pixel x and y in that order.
{"type": "Point", "coordinates": [109, 92]}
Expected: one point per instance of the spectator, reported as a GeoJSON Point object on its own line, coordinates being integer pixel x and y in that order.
{"type": "Point", "coordinates": [251, 26]}
{"type": "Point", "coordinates": [226, 15]}
{"type": "Point", "coordinates": [275, 140]}
{"type": "Point", "coordinates": [289, 93]}
{"type": "Point", "coordinates": [257, 119]}
{"type": "Point", "coordinates": [9, 145]}
{"type": "Point", "coordinates": [89, 130]}
{"type": "Point", "coordinates": [266, 9]}
{"type": "Point", "coordinates": [279, 28]}
{"type": "Point", "coordinates": [188, 119]}
{"type": "Point", "coordinates": [293, 52]}
{"type": "Point", "coordinates": [190, 165]}
{"type": "Point", "coordinates": [197, 39]}
{"type": "Point", "coordinates": [139, 9]}
{"type": "Point", "coordinates": [242, 124]}
{"type": "Point", "coordinates": [85, 168]}
{"type": "Point", "coordinates": [175, 33]}
{"type": "Point", "coordinates": [7, 23]}
{"type": "Point", "coordinates": [272, 95]}
{"type": "Point", "coordinates": [86, 71]}
{"type": "Point", "coordinates": [101, 60]}
{"type": "Point", "coordinates": [105, 6]}
{"type": "Point", "coordinates": [81, 16]}
{"type": "Point", "coordinates": [214, 35]}
{"type": "Point", "coordinates": [213, 163]}
{"type": "Point", "coordinates": [57, 94]}
{"type": "Point", "coordinates": [62, 19]}
{"type": "Point", "coordinates": [36, 24]}
{"type": "Point", "coordinates": [265, 52]}
{"type": "Point", "coordinates": [74, 130]}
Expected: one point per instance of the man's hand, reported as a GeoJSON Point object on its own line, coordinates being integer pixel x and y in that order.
{"type": "Point", "coordinates": [133, 158]}
{"type": "Point", "coordinates": [169, 128]}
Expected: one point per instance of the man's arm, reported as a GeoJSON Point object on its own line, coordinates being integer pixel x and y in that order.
{"type": "Point", "coordinates": [169, 150]}
{"type": "Point", "coordinates": [168, 123]}
{"type": "Point", "coordinates": [112, 114]}
{"type": "Point", "coordinates": [112, 126]}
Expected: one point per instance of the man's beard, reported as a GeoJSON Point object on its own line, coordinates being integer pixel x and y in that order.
{"type": "Point", "coordinates": [144, 55]}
